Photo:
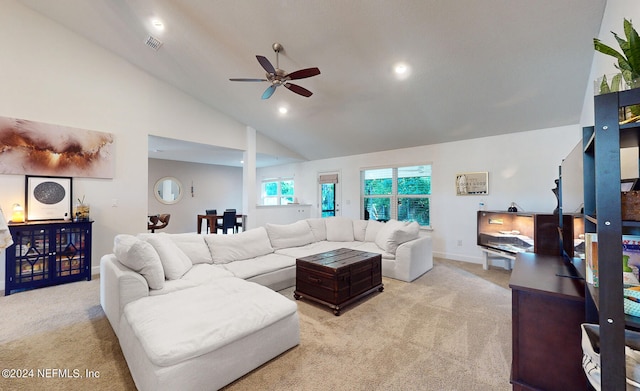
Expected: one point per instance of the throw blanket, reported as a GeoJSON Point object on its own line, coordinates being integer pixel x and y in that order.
{"type": "Point", "coordinates": [5, 236]}
{"type": "Point", "coordinates": [189, 323]}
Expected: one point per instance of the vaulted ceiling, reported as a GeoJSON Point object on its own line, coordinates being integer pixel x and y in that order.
{"type": "Point", "coordinates": [475, 68]}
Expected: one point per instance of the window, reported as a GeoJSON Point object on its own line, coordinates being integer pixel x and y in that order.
{"type": "Point", "coordinates": [400, 193]}
{"type": "Point", "coordinates": [277, 191]}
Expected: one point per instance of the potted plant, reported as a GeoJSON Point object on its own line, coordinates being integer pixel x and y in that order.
{"type": "Point", "coordinates": [81, 212]}
{"type": "Point", "coordinates": [628, 61]}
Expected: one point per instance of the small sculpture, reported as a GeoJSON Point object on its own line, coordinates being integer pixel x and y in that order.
{"type": "Point", "coordinates": [555, 192]}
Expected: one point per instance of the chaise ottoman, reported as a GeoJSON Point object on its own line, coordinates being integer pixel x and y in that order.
{"type": "Point", "coordinates": [207, 336]}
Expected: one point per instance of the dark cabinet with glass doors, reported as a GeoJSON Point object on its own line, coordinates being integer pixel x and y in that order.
{"type": "Point", "coordinates": [47, 253]}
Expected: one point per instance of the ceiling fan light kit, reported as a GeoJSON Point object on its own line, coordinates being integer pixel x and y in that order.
{"type": "Point", "coordinates": [278, 77]}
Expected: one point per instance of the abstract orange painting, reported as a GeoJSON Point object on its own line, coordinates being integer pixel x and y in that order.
{"type": "Point", "coordinates": [36, 148]}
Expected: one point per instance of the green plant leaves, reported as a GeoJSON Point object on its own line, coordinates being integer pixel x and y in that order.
{"type": "Point", "coordinates": [604, 87]}
{"type": "Point", "coordinates": [616, 82]}
{"type": "Point", "coordinates": [632, 50]}
{"type": "Point", "coordinates": [629, 59]}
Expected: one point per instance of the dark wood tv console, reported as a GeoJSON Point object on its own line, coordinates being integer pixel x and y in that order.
{"type": "Point", "coordinates": [547, 312]}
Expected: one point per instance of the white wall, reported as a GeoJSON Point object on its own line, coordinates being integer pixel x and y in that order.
{"type": "Point", "coordinates": [279, 214]}
{"type": "Point", "coordinates": [215, 187]}
{"type": "Point", "coordinates": [522, 168]}
{"type": "Point", "coordinates": [51, 75]}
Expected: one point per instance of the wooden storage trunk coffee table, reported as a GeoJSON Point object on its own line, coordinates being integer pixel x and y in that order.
{"type": "Point", "coordinates": [338, 278]}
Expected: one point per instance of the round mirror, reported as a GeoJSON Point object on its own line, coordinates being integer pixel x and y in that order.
{"type": "Point", "coordinates": [168, 190]}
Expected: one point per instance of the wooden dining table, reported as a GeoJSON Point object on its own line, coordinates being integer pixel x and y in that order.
{"type": "Point", "coordinates": [213, 219]}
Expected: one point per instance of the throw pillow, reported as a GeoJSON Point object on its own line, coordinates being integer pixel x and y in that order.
{"type": "Point", "coordinates": [174, 262]}
{"type": "Point", "coordinates": [339, 229]}
{"type": "Point", "coordinates": [140, 257]}
{"type": "Point", "coordinates": [318, 228]}
{"type": "Point", "coordinates": [244, 245]}
{"type": "Point", "coordinates": [194, 246]}
{"type": "Point", "coordinates": [360, 229]}
{"type": "Point", "coordinates": [290, 235]}
{"type": "Point", "coordinates": [373, 227]}
{"type": "Point", "coordinates": [394, 233]}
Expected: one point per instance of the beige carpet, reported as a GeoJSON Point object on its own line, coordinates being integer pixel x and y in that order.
{"type": "Point", "coordinates": [448, 330]}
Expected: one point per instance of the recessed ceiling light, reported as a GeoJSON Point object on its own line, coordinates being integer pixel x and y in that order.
{"type": "Point", "coordinates": [401, 70]}
{"type": "Point", "coordinates": [157, 23]}
{"type": "Point", "coordinates": [283, 110]}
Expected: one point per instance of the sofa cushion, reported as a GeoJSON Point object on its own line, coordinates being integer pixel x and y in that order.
{"type": "Point", "coordinates": [171, 286]}
{"type": "Point", "coordinates": [313, 248]}
{"type": "Point", "coordinates": [140, 257]}
{"type": "Point", "coordinates": [371, 247]}
{"type": "Point", "coordinates": [174, 262]}
{"type": "Point", "coordinates": [290, 235]}
{"type": "Point", "coordinates": [244, 245]}
{"type": "Point", "coordinates": [394, 233]}
{"type": "Point", "coordinates": [204, 273]}
{"type": "Point", "coordinates": [260, 265]}
{"type": "Point", "coordinates": [339, 229]}
{"type": "Point", "coordinates": [218, 314]}
{"type": "Point", "coordinates": [360, 229]}
{"type": "Point", "coordinates": [373, 227]}
{"type": "Point", "coordinates": [318, 228]}
{"type": "Point", "coordinates": [194, 246]}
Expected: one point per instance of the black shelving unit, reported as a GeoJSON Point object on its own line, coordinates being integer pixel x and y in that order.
{"type": "Point", "coordinates": [47, 253]}
{"type": "Point", "coordinates": [602, 204]}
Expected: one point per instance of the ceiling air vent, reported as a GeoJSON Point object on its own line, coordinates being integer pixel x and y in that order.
{"type": "Point", "coordinates": [153, 43]}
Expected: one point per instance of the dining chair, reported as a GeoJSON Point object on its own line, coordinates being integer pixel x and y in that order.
{"type": "Point", "coordinates": [158, 222]}
{"type": "Point", "coordinates": [210, 212]}
{"type": "Point", "coordinates": [228, 222]}
{"type": "Point", "coordinates": [238, 224]}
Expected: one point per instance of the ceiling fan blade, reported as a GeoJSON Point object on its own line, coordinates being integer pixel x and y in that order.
{"type": "Point", "coordinates": [266, 64]}
{"type": "Point", "coordinates": [303, 73]}
{"type": "Point", "coordinates": [248, 79]}
{"type": "Point", "coordinates": [298, 90]}
{"type": "Point", "coordinates": [269, 91]}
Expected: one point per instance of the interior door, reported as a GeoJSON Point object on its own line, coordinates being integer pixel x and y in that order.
{"type": "Point", "coordinates": [329, 194]}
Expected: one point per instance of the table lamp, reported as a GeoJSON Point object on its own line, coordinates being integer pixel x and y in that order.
{"type": "Point", "coordinates": [18, 214]}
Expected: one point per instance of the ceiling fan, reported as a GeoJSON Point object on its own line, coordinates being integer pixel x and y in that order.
{"type": "Point", "coordinates": [278, 77]}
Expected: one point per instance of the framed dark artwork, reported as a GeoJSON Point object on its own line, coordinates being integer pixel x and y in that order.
{"type": "Point", "coordinates": [48, 197]}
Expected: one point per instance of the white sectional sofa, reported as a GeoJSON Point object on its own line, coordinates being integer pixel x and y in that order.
{"type": "Point", "coordinates": [198, 311]}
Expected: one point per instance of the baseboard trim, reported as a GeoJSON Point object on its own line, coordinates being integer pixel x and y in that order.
{"type": "Point", "coordinates": [494, 261]}
{"type": "Point", "coordinates": [458, 257]}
